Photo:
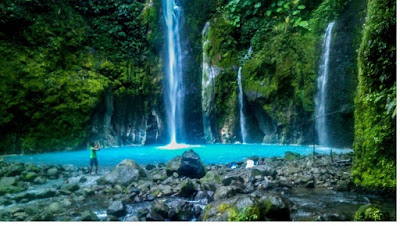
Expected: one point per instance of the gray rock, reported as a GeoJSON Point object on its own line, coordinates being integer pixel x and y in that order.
{"type": "Point", "coordinates": [52, 172]}
{"type": "Point", "coordinates": [224, 192]}
{"type": "Point", "coordinates": [88, 215]}
{"type": "Point", "coordinates": [187, 188]}
{"type": "Point", "coordinates": [39, 180]}
{"type": "Point", "coordinates": [190, 165]}
{"type": "Point", "coordinates": [54, 208]}
{"type": "Point", "coordinates": [72, 187]}
{"type": "Point", "coordinates": [124, 173]}
{"type": "Point", "coordinates": [275, 206]}
{"type": "Point", "coordinates": [211, 181]}
{"type": "Point", "coordinates": [132, 218]}
{"type": "Point", "coordinates": [7, 181]}
{"type": "Point", "coordinates": [160, 208]}
{"type": "Point", "coordinates": [173, 165]}
{"type": "Point", "coordinates": [117, 209]}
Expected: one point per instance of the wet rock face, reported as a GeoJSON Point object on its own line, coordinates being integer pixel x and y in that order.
{"type": "Point", "coordinates": [191, 166]}
{"type": "Point", "coordinates": [124, 173]}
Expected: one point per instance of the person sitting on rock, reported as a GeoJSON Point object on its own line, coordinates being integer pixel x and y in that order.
{"type": "Point", "coordinates": [93, 156]}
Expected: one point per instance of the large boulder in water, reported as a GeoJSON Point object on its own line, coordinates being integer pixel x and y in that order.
{"type": "Point", "coordinates": [191, 166]}
{"type": "Point", "coordinates": [124, 173]}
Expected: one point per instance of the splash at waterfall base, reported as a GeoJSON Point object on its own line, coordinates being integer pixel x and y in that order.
{"type": "Point", "coordinates": [304, 191]}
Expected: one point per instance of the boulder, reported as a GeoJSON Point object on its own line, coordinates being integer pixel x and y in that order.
{"type": "Point", "coordinates": [289, 156]}
{"type": "Point", "coordinates": [211, 181]}
{"type": "Point", "coordinates": [160, 208]}
{"type": "Point", "coordinates": [124, 173]}
{"type": "Point", "coordinates": [173, 165]}
{"type": "Point", "coordinates": [72, 187]}
{"type": "Point", "coordinates": [52, 172]}
{"type": "Point", "coordinates": [263, 170]}
{"type": "Point", "coordinates": [117, 209]}
{"type": "Point", "coordinates": [275, 206]}
{"type": "Point", "coordinates": [39, 180]}
{"type": "Point", "coordinates": [7, 181]}
{"type": "Point", "coordinates": [187, 189]}
{"type": "Point", "coordinates": [88, 215]}
{"type": "Point", "coordinates": [30, 176]}
{"type": "Point", "coordinates": [224, 192]}
{"type": "Point", "coordinates": [190, 165]}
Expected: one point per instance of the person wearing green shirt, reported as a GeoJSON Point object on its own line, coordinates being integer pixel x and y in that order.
{"type": "Point", "coordinates": [93, 156]}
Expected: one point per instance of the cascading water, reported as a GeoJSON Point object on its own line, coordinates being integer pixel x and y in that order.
{"type": "Point", "coordinates": [242, 119]}
{"type": "Point", "coordinates": [174, 100]}
{"type": "Point", "coordinates": [321, 99]}
{"type": "Point", "coordinates": [243, 131]}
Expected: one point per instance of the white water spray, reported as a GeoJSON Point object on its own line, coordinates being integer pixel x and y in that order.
{"type": "Point", "coordinates": [242, 119]}
{"type": "Point", "coordinates": [321, 99]}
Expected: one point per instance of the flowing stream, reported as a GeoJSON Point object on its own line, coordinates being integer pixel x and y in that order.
{"type": "Point", "coordinates": [321, 99]}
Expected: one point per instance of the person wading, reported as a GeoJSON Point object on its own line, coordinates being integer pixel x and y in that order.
{"type": "Point", "coordinates": [93, 157]}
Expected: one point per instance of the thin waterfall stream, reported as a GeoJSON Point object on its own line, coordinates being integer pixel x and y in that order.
{"type": "Point", "coordinates": [321, 98]}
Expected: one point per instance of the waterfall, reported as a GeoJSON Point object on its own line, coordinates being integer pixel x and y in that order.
{"type": "Point", "coordinates": [321, 98]}
{"type": "Point", "coordinates": [242, 119]}
{"type": "Point", "coordinates": [174, 99]}
{"type": "Point", "coordinates": [243, 131]}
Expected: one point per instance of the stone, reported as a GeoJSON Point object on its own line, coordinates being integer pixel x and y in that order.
{"type": "Point", "coordinates": [224, 192]}
{"type": "Point", "coordinates": [88, 215]}
{"type": "Point", "coordinates": [275, 206]}
{"type": "Point", "coordinates": [30, 176]}
{"type": "Point", "coordinates": [124, 173]}
{"type": "Point", "coordinates": [72, 187]}
{"type": "Point", "coordinates": [52, 172]}
{"type": "Point", "coordinates": [11, 189]}
{"type": "Point", "coordinates": [117, 209]}
{"type": "Point", "coordinates": [150, 167]}
{"type": "Point", "coordinates": [45, 193]}
{"type": "Point", "coordinates": [54, 208]}
{"type": "Point", "coordinates": [289, 156]}
{"type": "Point", "coordinates": [39, 180]}
{"type": "Point", "coordinates": [160, 208]}
{"type": "Point", "coordinates": [132, 218]}
{"type": "Point", "coordinates": [187, 188]}
{"type": "Point", "coordinates": [210, 181]}
{"type": "Point", "coordinates": [7, 181]}
{"type": "Point", "coordinates": [190, 165]}
{"type": "Point", "coordinates": [310, 184]}
{"type": "Point", "coordinates": [173, 166]}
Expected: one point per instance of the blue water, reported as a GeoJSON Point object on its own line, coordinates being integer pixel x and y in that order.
{"type": "Point", "coordinates": [209, 154]}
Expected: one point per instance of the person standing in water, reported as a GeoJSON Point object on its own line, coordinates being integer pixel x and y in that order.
{"type": "Point", "coordinates": [93, 156]}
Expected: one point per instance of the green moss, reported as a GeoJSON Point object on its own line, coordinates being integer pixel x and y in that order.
{"type": "Point", "coordinates": [250, 213]}
{"type": "Point", "coordinates": [371, 213]}
{"type": "Point", "coordinates": [375, 113]}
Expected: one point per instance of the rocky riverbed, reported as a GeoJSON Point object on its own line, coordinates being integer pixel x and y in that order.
{"type": "Point", "coordinates": [293, 188]}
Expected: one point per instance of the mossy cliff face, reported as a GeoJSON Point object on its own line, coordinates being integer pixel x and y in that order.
{"type": "Point", "coordinates": [219, 85]}
{"type": "Point", "coordinates": [73, 71]}
{"type": "Point", "coordinates": [279, 77]}
{"type": "Point", "coordinates": [375, 113]}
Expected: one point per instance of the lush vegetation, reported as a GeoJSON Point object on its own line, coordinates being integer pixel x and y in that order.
{"type": "Point", "coordinates": [58, 59]}
{"type": "Point", "coordinates": [375, 114]}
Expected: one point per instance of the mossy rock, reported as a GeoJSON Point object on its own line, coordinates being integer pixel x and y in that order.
{"type": "Point", "coordinates": [30, 176]}
{"type": "Point", "coordinates": [289, 156]}
{"type": "Point", "coordinates": [371, 213]}
{"type": "Point", "coordinates": [210, 181]}
{"type": "Point", "coordinates": [173, 165]}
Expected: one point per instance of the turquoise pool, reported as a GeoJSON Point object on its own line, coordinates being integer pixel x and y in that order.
{"type": "Point", "coordinates": [209, 154]}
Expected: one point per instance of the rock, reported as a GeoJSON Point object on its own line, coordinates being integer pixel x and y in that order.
{"type": "Point", "coordinates": [187, 189]}
{"type": "Point", "coordinates": [310, 184]}
{"type": "Point", "coordinates": [166, 189]}
{"type": "Point", "coordinates": [224, 192]}
{"type": "Point", "coordinates": [210, 181]}
{"type": "Point", "coordinates": [173, 165]}
{"type": "Point", "coordinates": [190, 165]}
{"type": "Point", "coordinates": [263, 170]}
{"type": "Point", "coordinates": [181, 211]}
{"type": "Point", "coordinates": [15, 169]}
{"type": "Point", "coordinates": [88, 215]}
{"type": "Point", "coordinates": [158, 177]}
{"type": "Point", "coordinates": [45, 193]}
{"type": "Point", "coordinates": [175, 174]}
{"type": "Point", "coordinates": [370, 212]}
{"type": "Point", "coordinates": [52, 172]}
{"type": "Point", "coordinates": [39, 180]}
{"type": "Point", "coordinates": [160, 208]}
{"type": "Point", "coordinates": [54, 208]}
{"type": "Point", "coordinates": [232, 178]}
{"type": "Point", "coordinates": [124, 173]}
{"type": "Point", "coordinates": [30, 176]}
{"type": "Point", "coordinates": [152, 216]}
{"type": "Point", "coordinates": [66, 203]}
{"type": "Point", "coordinates": [289, 156]}
{"type": "Point", "coordinates": [150, 167]}
{"type": "Point", "coordinates": [150, 197]}
{"type": "Point", "coordinates": [275, 206]}
{"type": "Point", "coordinates": [117, 209]}
{"type": "Point", "coordinates": [72, 187]}
{"type": "Point", "coordinates": [83, 179]}
{"type": "Point", "coordinates": [238, 208]}
{"type": "Point", "coordinates": [11, 189]}
{"type": "Point", "coordinates": [7, 181]}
